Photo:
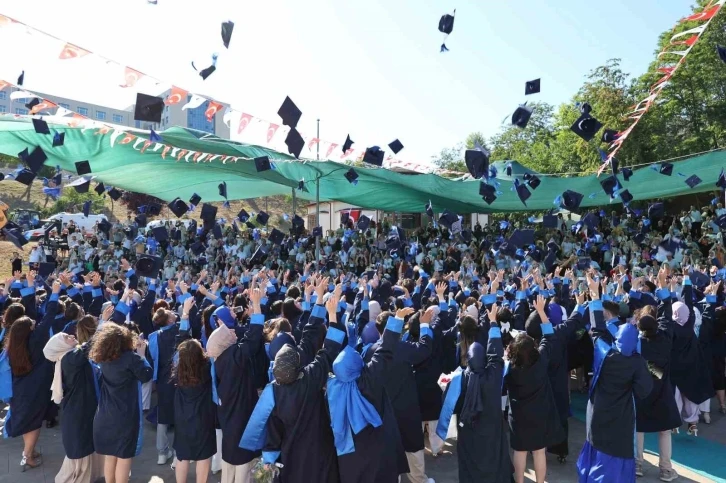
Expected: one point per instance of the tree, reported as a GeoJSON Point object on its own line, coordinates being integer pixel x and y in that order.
{"type": "Point", "coordinates": [452, 159]}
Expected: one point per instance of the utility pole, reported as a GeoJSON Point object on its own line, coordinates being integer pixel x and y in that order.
{"type": "Point", "coordinates": [317, 201]}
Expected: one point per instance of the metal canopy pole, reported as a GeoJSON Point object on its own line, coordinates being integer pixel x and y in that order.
{"type": "Point", "coordinates": [317, 202]}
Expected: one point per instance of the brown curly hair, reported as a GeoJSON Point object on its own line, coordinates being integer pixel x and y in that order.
{"type": "Point", "coordinates": [523, 351]}
{"type": "Point", "coordinates": [109, 342]}
{"type": "Point", "coordinates": [192, 362]}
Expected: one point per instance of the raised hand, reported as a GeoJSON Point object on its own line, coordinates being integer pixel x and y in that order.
{"type": "Point", "coordinates": [404, 312]}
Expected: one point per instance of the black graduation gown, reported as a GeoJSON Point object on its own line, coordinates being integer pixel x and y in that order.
{"type": "Point", "coordinates": [658, 411]}
{"type": "Point", "coordinates": [299, 425]}
{"type": "Point", "coordinates": [31, 392]}
{"type": "Point", "coordinates": [196, 414]}
{"type": "Point", "coordinates": [401, 389]}
{"type": "Point", "coordinates": [534, 420]}
{"type": "Point", "coordinates": [117, 426]}
{"type": "Point", "coordinates": [690, 369]}
{"type": "Point", "coordinates": [481, 448]}
{"type": "Point", "coordinates": [237, 393]}
{"type": "Point", "coordinates": [610, 421]}
{"type": "Point", "coordinates": [379, 456]}
{"type": "Point", "coordinates": [165, 387]}
{"type": "Point", "coordinates": [80, 402]}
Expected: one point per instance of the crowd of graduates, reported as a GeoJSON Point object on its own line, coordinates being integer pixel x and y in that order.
{"type": "Point", "coordinates": [252, 359]}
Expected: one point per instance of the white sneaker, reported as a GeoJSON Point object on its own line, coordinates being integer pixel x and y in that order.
{"type": "Point", "coordinates": [638, 469]}
{"type": "Point", "coordinates": [668, 475]}
{"type": "Point", "coordinates": [164, 457]}
{"type": "Point", "coordinates": [707, 418]}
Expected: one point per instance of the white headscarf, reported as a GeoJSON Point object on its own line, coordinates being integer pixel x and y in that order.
{"type": "Point", "coordinates": [54, 351]}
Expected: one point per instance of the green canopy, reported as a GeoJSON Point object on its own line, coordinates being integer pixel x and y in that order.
{"type": "Point", "coordinates": [188, 161]}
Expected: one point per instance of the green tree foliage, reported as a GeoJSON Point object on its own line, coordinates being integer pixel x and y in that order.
{"type": "Point", "coordinates": [72, 202]}
{"type": "Point", "coordinates": [452, 159]}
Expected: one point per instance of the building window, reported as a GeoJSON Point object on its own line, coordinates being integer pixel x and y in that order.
{"type": "Point", "coordinates": [64, 106]}
{"type": "Point", "coordinates": [118, 118]}
{"type": "Point", "coordinates": [138, 124]}
{"type": "Point", "coordinates": [101, 115]}
{"type": "Point", "coordinates": [196, 119]}
{"type": "Point", "coordinates": [3, 95]}
{"type": "Point", "coordinates": [22, 111]}
{"type": "Point", "coordinates": [83, 111]}
{"type": "Point", "coordinates": [3, 109]}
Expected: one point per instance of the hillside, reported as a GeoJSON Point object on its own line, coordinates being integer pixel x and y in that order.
{"type": "Point", "coordinates": [17, 195]}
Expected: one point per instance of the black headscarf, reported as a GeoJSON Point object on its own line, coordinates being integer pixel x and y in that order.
{"type": "Point", "coordinates": [473, 403]}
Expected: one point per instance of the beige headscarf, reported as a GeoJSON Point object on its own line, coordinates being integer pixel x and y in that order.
{"type": "Point", "coordinates": [220, 340]}
{"type": "Point", "coordinates": [54, 351]}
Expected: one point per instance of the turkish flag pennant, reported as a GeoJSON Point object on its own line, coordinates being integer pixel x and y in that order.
{"type": "Point", "coordinates": [195, 157]}
{"type": "Point", "coordinates": [164, 151]}
{"type": "Point", "coordinates": [181, 153]}
{"type": "Point", "coordinates": [43, 105]}
{"type": "Point", "coordinates": [127, 139]}
{"type": "Point", "coordinates": [103, 130]}
{"type": "Point", "coordinates": [212, 109]}
{"type": "Point", "coordinates": [3, 84]}
{"type": "Point", "coordinates": [347, 153]}
{"type": "Point", "coordinates": [706, 14]}
{"type": "Point", "coordinates": [176, 96]}
{"type": "Point", "coordinates": [244, 121]}
{"type": "Point", "coordinates": [271, 131]}
{"type": "Point", "coordinates": [75, 116]}
{"type": "Point", "coordinates": [667, 70]}
{"type": "Point", "coordinates": [131, 77]}
{"type": "Point", "coordinates": [71, 51]}
{"type": "Point", "coordinates": [689, 41]}
{"type": "Point", "coordinates": [146, 145]}
{"type": "Point", "coordinates": [313, 142]}
{"type": "Point", "coordinates": [330, 149]}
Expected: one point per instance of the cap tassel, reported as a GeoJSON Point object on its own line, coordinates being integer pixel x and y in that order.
{"type": "Point", "coordinates": [444, 48]}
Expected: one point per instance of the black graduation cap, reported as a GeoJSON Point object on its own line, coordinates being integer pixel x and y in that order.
{"type": "Point", "coordinates": [217, 231]}
{"type": "Point", "coordinates": [148, 108]}
{"type": "Point", "coordinates": [148, 266]}
{"type": "Point", "coordinates": [549, 221]}
{"type": "Point", "coordinates": [243, 216]}
{"type": "Point", "coordinates": [477, 162]}
{"type": "Point", "coordinates": [276, 236]}
{"type": "Point", "coordinates": [625, 196]}
{"type": "Point", "coordinates": [209, 212]}
{"type": "Point", "coordinates": [532, 180]}
{"type": "Point", "coordinates": [721, 182]}
{"type": "Point", "coordinates": [105, 226]}
{"type": "Point", "coordinates": [609, 185]}
{"type": "Point", "coordinates": [195, 199]}
{"type": "Point", "coordinates": [627, 173]}
{"type": "Point", "coordinates": [59, 138]}
{"type": "Point", "coordinates": [40, 126]}
{"type": "Point", "coordinates": [298, 222]}
{"type": "Point", "coordinates": [487, 192]}
{"type": "Point", "coordinates": [586, 126]}
{"type": "Point", "coordinates": [227, 28]}
{"type": "Point", "coordinates": [344, 217]}
{"type": "Point", "coordinates": [571, 200]}
{"type": "Point", "coordinates": [429, 209]}
{"type": "Point", "coordinates": [160, 233]}
{"type": "Point", "coordinates": [609, 136]}
{"type": "Point", "coordinates": [15, 236]}
{"type": "Point", "coordinates": [197, 248]}
{"type": "Point", "coordinates": [260, 254]}
{"type": "Point", "coordinates": [153, 209]}
{"type": "Point", "coordinates": [666, 169]}
{"type": "Point", "coordinates": [317, 231]}
{"type": "Point", "coordinates": [2, 176]}
{"type": "Point", "coordinates": [721, 51]}
{"type": "Point", "coordinates": [295, 143]}
{"type": "Point", "coordinates": [301, 185]}
{"type": "Point", "coordinates": [86, 208]}
{"type": "Point", "coordinates": [363, 222]}
{"type": "Point", "coordinates": [262, 218]}
{"type": "Point", "coordinates": [81, 184]}
{"type": "Point", "coordinates": [141, 220]}
{"type": "Point", "coordinates": [347, 144]}
{"type": "Point", "coordinates": [614, 164]}
{"type": "Point", "coordinates": [721, 221]}
{"type": "Point", "coordinates": [223, 189]}
{"type": "Point", "coordinates": [374, 155]}
{"type": "Point", "coordinates": [669, 245]}
{"type": "Point", "coordinates": [532, 87]}
{"type": "Point", "coordinates": [289, 113]}
{"type": "Point", "coordinates": [522, 192]}
{"type": "Point", "coordinates": [45, 269]}
{"type": "Point", "coordinates": [521, 238]}
{"type": "Point", "coordinates": [32, 103]}
{"type": "Point", "coordinates": [395, 146]}
{"type": "Point", "coordinates": [393, 243]}
{"type": "Point", "coordinates": [656, 210]}
{"type": "Point", "coordinates": [34, 160]}
{"type": "Point", "coordinates": [448, 218]}
{"type": "Point", "coordinates": [521, 116]}
{"type": "Point", "coordinates": [351, 176]}
{"type": "Point", "coordinates": [446, 23]}
{"type": "Point", "coordinates": [21, 78]}
{"type": "Point", "coordinates": [262, 164]}
{"type": "Point", "coordinates": [114, 194]}
{"type": "Point", "coordinates": [693, 181]}
{"type": "Point", "coordinates": [206, 72]}
{"type": "Point", "coordinates": [591, 220]}
{"type": "Point", "coordinates": [25, 176]}
{"type": "Point", "coordinates": [83, 167]}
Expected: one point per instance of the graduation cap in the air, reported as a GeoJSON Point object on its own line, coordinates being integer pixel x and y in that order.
{"type": "Point", "coordinates": [586, 126]}
{"type": "Point", "coordinates": [693, 181]}
{"type": "Point", "coordinates": [721, 51]}
{"type": "Point", "coordinates": [395, 146]}
{"type": "Point", "coordinates": [363, 223]}
{"type": "Point", "coordinates": [614, 164]}
{"type": "Point", "coordinates": [344, 217]}
{"type": "Point", "coordinates": [571, 200]}
{"type": "Point", "coordinates": [347, 144]}
{"type": "Point", "coordinates": [295, 143]}
{"type": "Point", "coordinates": [721, 182]}
{"type": "Point", "coordinates": [289, 113]}
{"type": "Point", "coordinates": [276, 236]}
{"type": "Point", "coordinates": [374, 155]}
{"type": "Point", "coordinates": [160, 233]}
{"type": "Point", "coordinates": [148, 266]}
{"type": "Point", "coordinates": [487, 192]}
{"type": "Point", "coordinates": [521, 238]}
{"type": "Point", "coordinates": [610, 136]}
{"type": "Point", "coordinates": [297, 222]}
{"type": "Point", "coordinates": [33, 160]}
{"type": "Point", "coordinates": [448, 218]}
{"type": "Point", "coordinates": [195, 199]}
{"type": "Point", "coordinates": [477, 162]}
{"type": "Point", "coordinates": [209, 213]}
{"type": "Point", "coordinates": [351, 176]}
{"type": "Point", "coordinates": [625, 196]}
{"type": "Point", "coordinates": [549, 221]}
{"type": "Point", "coordinates": [591, 221]}
{"type": "Point", "coordinates": [627, 173]}
{"type": "Point", "coordinates": [217, 231]}
{"type": "Point", "coordinates": [21, 78]}
{"type": "Point", "coordinates": [40, 126]}
{"type": "Point", "coordinates": [393, 243]}
{"type": "Point", "coordinates": [532, 87]}
{"type": "Point", "coordinates": [59, 138]}
{"type": "Point", "coordinates": [669, 246]}
{"type": "Point", "coordinates": [522, 192]}
{"type": "Point", "coordinates": [83, 168]}
{"type": "Point", "coordinates": [15, 236]}
{"type": "Point", "coordinates": [32, 103]}
{"type": "Point", "coordinates": [262, 218]}
{"type": "Point", "coordinates": [148, 108]}
{"type": "Point", "coordinates": [429, 209]}
{"type": "Point", "coordinates": [153, 209]}
{"type": "Point", "coordinates": [222, 187]}
{"type": "Point", "coordinates": [197, 248]}
{"type": "Point", "coordinates": [609, 185]}
{"type": "Point", "coordinates": [141, 220]}
{"type": "Point", "coordinates": [262, 164]}
{"type": "Point", "coordinates": [532, 180]}
{"type": "Point", "coordinates": [260, 254]}
{"type": "Point", "coordinates": [666, 169]}
{"type": "Point", "coordinates": [86, 208]}
{"type": "Point", "coordinates": [105, 226]}
{"type": "Point", "coordinates": [114, 194]}
{"type": "Point", "coordinates": [721, 221]}
{"type": "Point", "coordinates": [227, 28]}
{"type": "Point", "coordinates": [207, 71]}
{"type": "Point", "coordinates": [243, 216]}
{"type": "Point", "coordinates": [656, 210]}
{"type": "Point", "coordinates": [317, 231]}
{"type": "Point", "coordinates": [81, 184]}
{"type": "Point", "coordinates": [446, 26]}
{"type": "Point", "coordinates": [521, 116]}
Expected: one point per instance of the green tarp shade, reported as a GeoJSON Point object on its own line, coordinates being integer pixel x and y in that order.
{"type": "Point", "coordinates": [125, 166]}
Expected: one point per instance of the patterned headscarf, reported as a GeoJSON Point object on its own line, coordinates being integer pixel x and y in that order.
{"type": "Point", "coordinates": [287, 365]}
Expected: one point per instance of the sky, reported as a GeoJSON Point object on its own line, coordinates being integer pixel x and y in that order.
{"type": "Point", "coordinates": [369, 69]}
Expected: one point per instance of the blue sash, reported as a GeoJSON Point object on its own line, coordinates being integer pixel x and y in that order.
{"type": "Point", "coordinates": [154, 348]}
{"type": "Point", "coordinates": [447, 409]}
{"type": "Point", "coordinates": [253, 439]}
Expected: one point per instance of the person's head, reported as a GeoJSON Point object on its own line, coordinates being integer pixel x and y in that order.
{"type": "Point", "coordinates": [73, 311]}
{"type": "Point", "coordinates": [85, 328]}
{"type": "Point", "coordinates": [477, 359]}
{"type": "Point", "coordinates": [286, 368]}
{"type": "Point", "coordinates": [522, 351]}
{"type": "Point", "coordinates": [294, 292]}
{"type": "Point", "coordinates": [681, 313]}
{"type": "Point", "coordinates": [290, 309]}
{"type": "Point", "coordinates": [276, 308]}
{"type": "Point", "coordinates": [468, 332]}
{"type": "Point", "coordinates": [16, 345]}
{"type": "Point", "coordinates": [610, 309]}
{"type": "Point", "coordinates": [626, 339]}
{"type": "Point", "coordinates": [275, 326]}
{"type": "Point", "coordinates": [13, 313]}
{"type": "Point", "coordinates": [163, 317]}
{"type": "Point", "coordinates": [645, 318]}
{"type": "Point", "coordinates": [191, 364]}
{"type": "Point", "coordinates": [160, 304]}
{"type": "Point", "coordinates": [648, 287]}
{"type": "Point", "coordinates": [109, 342]}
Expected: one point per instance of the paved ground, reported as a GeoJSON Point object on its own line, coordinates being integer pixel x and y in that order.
{"type": "Point", "coordinates": [698, 459]}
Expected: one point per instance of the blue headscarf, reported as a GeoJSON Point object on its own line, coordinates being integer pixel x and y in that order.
{"type": "Point", "coordinates": [350, 412]}
{"type": "Point", "coordinates": [626, 340]}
